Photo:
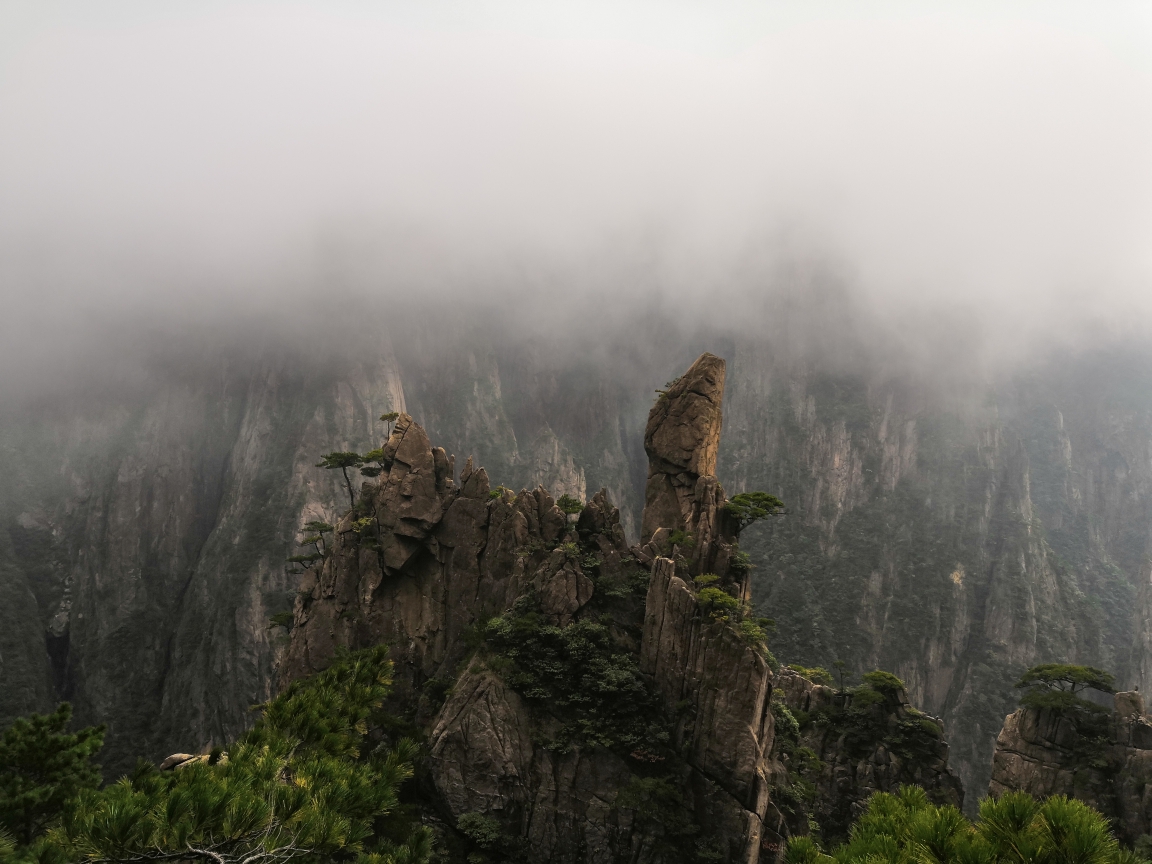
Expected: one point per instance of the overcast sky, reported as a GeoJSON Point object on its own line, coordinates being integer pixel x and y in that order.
{"type": "Point", "coordinates": [997, 155]}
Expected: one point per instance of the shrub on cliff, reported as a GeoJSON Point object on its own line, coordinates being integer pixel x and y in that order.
{"type": "Point", "coordinates": [42, 767]}
{"type": "Point", "coordinates": [1014, 829]}
{"type": "Point", "coordinates": [580, 672]}
{"type": "Point", "coordinates": [304, 783]}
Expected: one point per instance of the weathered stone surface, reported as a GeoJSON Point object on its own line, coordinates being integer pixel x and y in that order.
{"type": "Point", "coordinates": [724, 682]}
{"type": "Point", "coordinates": [1043, 752]}
{"type": "Point", "coordinates": [846, 779]}
{"type": "Point", "coordinates": [681, 439]}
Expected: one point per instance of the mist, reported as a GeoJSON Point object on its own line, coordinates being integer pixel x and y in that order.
{"type": "Point", "coordinates": [961, 184]}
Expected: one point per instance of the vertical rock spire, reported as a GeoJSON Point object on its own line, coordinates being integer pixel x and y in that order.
{"type": "Point", "coordinates": [681, 439]}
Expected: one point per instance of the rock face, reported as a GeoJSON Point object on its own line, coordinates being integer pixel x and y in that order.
{"type": "Point", "coordinates": [1105, 762]}
{"type": "Point", "coordinates": [421, 559]}
{"type": "Point", "coordinates": [721, 686]}
{"type": "Point", "coordinates": [953, 532]}
{"type": "Point", "coordinates": [682, 439]}
{"type": "Point", "coordinates": [877, 748]}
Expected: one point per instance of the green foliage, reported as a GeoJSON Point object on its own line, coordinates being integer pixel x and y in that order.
{"type": "Point", "coordinates": [43, 766]}
{"type": "Point", "coordinates": [706, 579]}
{"type": "Point", "coordinates": [681, 538]}
{"type": "Point", "coordinates": [740, 564]}
{"type": "Point", "coordinates": [303, 783]}
{"type": "Point", "coordinates": [883, 682]}
{"type": "Point", "coordinates": [569, 504]}
{"type": "Point", "coordinates": [281, 619]}
{"type": "Point", "coordinates": [390, 417]}
{"type": "Point", "coordinates": [751, 632]}
{"type": "Point", "coordinates": [313, 537]}
{"type": "Point", "coordinates": [376, 457]}
{"type": "Point", "coordinates": [1060, 700]}
{"type": "Point", "coordinates": [1015, 829]}
{"type": "Point", "coordinates": [498, 492]}
{"type": "Point", "coordinates": [717, 603]}
{"type": "Point", "coordinates": [803, 850]}
{"type": "Point", "coordinates": [802, 763]}
{"type": "Point", "coordinates": [1067, 678]}
{"type": "Point", "coordinates": [591, 683]}
{"type": "Point", "coordinates": [817, 674]}
{"type": "Point", "coordinates": [749, 507]}
{"type": "Point", "coordinates": [1055, 687]}
{"type": "Point", "coordinates": [483, 831]}
{"type": "Point", "coordinates": [342, 461]}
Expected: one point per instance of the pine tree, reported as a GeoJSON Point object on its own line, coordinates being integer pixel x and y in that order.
{"type": "Point", "coordinates": [749, 507]}
{"type": "Point", "coordinates": [342, 460]}
{"type": "Point", "coordinates": [42, 766]}
{"type": "Point", "coordinates": [304, 783]}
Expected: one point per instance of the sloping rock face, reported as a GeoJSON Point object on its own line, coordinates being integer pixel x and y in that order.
{"type": "Point", "coordinates": [1108, 766]}
{"type": "Point", "coordinates": [886, 745]}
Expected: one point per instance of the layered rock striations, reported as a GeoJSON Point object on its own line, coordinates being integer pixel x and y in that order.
{"type": "Point", "coordinates": [1101, 758]}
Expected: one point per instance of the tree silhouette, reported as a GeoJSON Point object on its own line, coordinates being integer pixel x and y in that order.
{"type": "Point", "coordinates": [342, 460]}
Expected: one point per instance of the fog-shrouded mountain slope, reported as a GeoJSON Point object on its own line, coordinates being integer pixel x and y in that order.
{"type": "Point", "coordinates": [953, 535]}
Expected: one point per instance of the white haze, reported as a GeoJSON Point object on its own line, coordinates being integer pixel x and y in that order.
{"type": "Point", "coordinates": [984, 164]}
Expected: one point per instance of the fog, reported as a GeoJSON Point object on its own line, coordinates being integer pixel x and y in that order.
{"type": "Point", "coordinates": [973, 175]}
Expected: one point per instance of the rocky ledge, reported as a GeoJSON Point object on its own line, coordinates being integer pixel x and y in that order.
{"type": "Point", "coordinates": [1101, 758]}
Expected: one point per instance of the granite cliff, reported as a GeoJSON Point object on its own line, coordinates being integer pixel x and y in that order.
{"type": "Point", "coordinates": [953, 533]}
{"type": "Point", "coordinates": [1103, 758]}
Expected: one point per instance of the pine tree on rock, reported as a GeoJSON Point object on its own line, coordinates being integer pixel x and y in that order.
{"type": "Point", "coordinates": [342, 460]}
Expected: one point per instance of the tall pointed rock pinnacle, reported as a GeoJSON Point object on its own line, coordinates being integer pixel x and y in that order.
{"type": "Point", "coordinates": [681, 439]}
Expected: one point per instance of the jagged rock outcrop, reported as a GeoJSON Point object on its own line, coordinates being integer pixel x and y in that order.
{"type": "Point", "coordinates": [834, 758]}
{"type": "Point", "coordinates": [421, 559]}
{"type": "Point", "coordinates": [1103, 760]}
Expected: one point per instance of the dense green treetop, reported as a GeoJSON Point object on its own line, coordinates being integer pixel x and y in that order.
{"type": "Point", "coordinates": [749, 507]}
{"type": "Point", "coordinates": [305, 783]}
{"type": "Point", "coordinates": [905, 828]}
{"type": "Point", "coordinates": [569, 504]}
{"type": "Point", "coordinates": [42, 766]}
{"type": "Point", "coordinates": [1068, 678]}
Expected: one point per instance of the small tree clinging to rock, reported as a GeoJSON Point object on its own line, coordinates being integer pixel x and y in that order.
{"type": "Point", "coordinates": [343, 461]}
{"type": "Point", "coordinates": [749, 507]}
{"type": "Point", "coordinates": [569, 505]}
{"type": "Point", "coordinates": [313, 536]}
{"type": "Point", "coordinates": [1059, 685]}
